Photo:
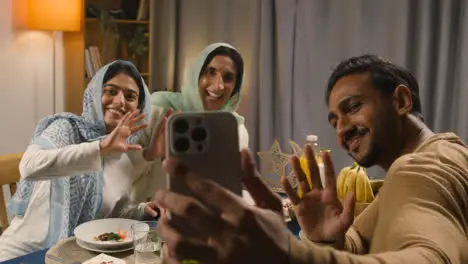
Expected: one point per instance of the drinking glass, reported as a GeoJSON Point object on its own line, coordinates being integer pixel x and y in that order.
{"type": "Point", "coordinates": [147, 243]}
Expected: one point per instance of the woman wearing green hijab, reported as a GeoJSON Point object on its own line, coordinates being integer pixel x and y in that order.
{"type": "Point", "coordinates": [213, 82]}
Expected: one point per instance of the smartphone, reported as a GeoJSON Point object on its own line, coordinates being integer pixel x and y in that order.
{"type": "Point", "coordinates": [208, 144]}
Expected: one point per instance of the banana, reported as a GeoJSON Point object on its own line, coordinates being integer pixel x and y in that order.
{"type": "Point", "coordinates": [369, 192]}
{"type": "Point", "coordinates": [364, 192]}
{"type": "Point", "coordinates": [354, 179]}
{"type": "Point", "coordinates": [360, 187]}
{"type": "Point", "coordinates": [305, 169]}
{"type": "Point", "coordinates": [350, 182]}
{"type": "Point", "coordinates": [350, 179]}
{"type": "Point", "coordinates": [340, 182]}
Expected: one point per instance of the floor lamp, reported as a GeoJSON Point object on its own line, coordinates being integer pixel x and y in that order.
{"type": "Point", "coordinates": [54, 15]}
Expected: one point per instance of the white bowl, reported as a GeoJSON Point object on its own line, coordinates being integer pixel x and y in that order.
{"type": "Point", "coordinates": [87, 231]}
{"type": "Point", "coordinates": [89, 247]}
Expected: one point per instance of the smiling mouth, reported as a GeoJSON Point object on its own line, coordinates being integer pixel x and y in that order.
{"type": "Point", "coordinates": [353, 139]}
{"type": "Point", "coordinates": [213, 95]}
{"type": "Point", "coordinates": [116, 112]}
{"type": "Point", "coordinates": [353, 144]}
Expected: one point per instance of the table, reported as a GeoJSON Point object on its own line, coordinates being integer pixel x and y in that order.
{"type": "Point", "coordinates": [37, 257]}
{"type": "Point", "coordinates": [294, 227]}
{"type": "Point", "coordinates": [69, 249]}
{"type": "Point", "coordinates": [63, 248]}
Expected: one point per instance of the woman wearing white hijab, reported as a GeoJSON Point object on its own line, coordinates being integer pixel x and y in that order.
{"type": "Point", "coordinates": [74, 171]}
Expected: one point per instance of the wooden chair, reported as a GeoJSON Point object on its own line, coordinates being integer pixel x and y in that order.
{"type": "Point", "coordinates": [9, 175]}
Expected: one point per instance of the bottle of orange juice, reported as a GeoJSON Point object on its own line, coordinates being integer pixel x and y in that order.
{"type": "Point", "coordinates": [312, 140]}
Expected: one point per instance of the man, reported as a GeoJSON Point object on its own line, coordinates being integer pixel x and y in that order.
{"type": "Point", "coordinates": [419, 215]}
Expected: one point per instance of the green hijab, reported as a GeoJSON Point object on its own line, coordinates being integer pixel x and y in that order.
{"type": "Point", "coordinates": [188, 99]}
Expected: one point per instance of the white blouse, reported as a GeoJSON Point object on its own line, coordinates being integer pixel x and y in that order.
{"type": "Point", "coordinates": [129, 182]}
{"type": "Point", "coordinates": [27, 233]}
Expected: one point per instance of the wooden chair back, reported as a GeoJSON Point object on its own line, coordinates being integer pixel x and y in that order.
{"type": "Point", "coordinates": [9, 176]}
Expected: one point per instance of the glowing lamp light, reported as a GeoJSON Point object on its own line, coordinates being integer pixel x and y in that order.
{"type": "Point", "coordinates": [55, 15]}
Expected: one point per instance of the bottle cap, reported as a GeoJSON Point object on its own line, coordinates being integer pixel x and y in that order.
{"type": "Point", "coordinates": [312, 138]}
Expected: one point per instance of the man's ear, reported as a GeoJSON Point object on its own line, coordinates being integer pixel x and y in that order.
{"type": "Point", "coordinates": [402, 99]}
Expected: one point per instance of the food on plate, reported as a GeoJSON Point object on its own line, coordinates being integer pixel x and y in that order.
{"type": "Point", "coordinates": [112, 236]}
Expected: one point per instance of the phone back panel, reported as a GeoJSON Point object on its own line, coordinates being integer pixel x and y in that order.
{"type": "Point", "coordinates": [207, 143]}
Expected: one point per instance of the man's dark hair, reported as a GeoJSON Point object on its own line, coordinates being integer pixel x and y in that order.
{"type": "Point", "coordinates": [385, 77]}
{"type": "Point", "coordinates": [121, 66]}
{"type": "Point", "coordinates": [234, 56]}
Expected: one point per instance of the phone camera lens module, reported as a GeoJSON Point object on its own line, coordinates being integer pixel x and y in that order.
{"type": "Point", "coordinates": [199, 134]}
{"type": "Point", "coordinates": [181, 126]}
{"type": "Point", "coordinates": [182, 145]}
{"type": "Point", "coordinates": [200, 147]}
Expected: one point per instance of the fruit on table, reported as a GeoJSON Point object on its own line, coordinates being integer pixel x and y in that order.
{"type": "Point", "coordinates": [306, 171]}
{"type": "Point", "coordinates": [354, 179]}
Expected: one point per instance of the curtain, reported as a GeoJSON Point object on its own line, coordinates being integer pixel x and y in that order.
{"type": "Point", "coordinates": [290, 47]}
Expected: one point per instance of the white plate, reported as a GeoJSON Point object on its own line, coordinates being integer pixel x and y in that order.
{"type": "Point", "coordinates": [87, 231]}
{"type": "Point", "coordinates": [104, 258]}
{"type": "Point", "coordinates": [86, 246]}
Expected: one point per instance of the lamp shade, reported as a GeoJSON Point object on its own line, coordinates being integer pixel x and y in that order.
{"type": "Point", "coordinates": [59, 15]}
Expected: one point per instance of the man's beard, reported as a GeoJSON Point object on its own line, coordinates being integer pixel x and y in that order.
{"type": "Point", "coordinates": [370, 158]}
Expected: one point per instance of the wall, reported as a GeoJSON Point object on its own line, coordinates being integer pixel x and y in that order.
{"type": "Point", "coordinates": [26, 79]}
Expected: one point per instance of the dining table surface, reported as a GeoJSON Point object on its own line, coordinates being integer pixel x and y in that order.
{"type": "Point", "coordinates": [68, 252]}
{"type": "Point", "coordinates": [37, 257]}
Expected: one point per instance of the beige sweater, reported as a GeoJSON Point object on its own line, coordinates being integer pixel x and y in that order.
{"type": "Point", "coordinates": [420, 215]}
